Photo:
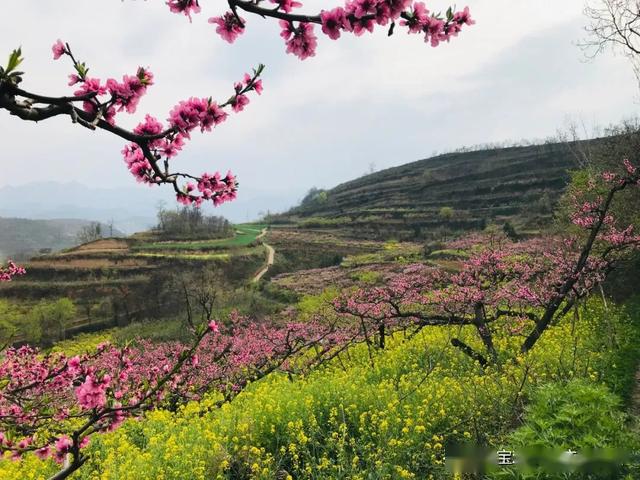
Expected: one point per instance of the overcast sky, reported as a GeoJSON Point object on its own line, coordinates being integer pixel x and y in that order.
{"type": "Point", "coordinates": [516, 74]}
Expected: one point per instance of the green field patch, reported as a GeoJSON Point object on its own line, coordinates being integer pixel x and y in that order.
{"type": "Point", "coordinates": [245, 235]}
{"type": "Point", "coordinates": [449, 254]}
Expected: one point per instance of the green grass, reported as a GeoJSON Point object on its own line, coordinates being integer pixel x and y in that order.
{"type": "Point", "coordinates": [245, 235]}
{"type": "Point", "coordinates": [454, 253]}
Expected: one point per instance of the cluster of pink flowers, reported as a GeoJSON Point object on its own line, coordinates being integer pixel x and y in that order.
{"type": "Point", "coordinates": [620, 237]}
{"type": "Point", "coordinates": [300, 40]}
{"type": "Point", "coordinates": [631, 169]}
{"type": "Point", "coordinates": [92, 393]}
{"type": "Point", "coordinates": [138, 164]}
{"type": "Point", "coordinates": [588, 204]}
{"type": "Point", "coordinates": [125, 95]}
{"type": "Point", "coordinates": [186, 7]}
{"type": "Point", "coordinates": [360, 16]}
{"type": "Point", "coordinates": [196, 112]}
{"type": "Point", "coordinates": [214, 187]}
{"type": "Point", "coordinates": [240, 100]}
{"type": "Point", "coordinates": [229, 26]}
{"type": "Point", "coordinates": [436, 30]}
{"type": "Point", "coordinates": [585, 214]}
{"type": "Point", "coordinates": [629, 174]}
{"type": "Point", "coordinates": [356, 16]}
{"type": "Point", "coordinates": [10, 271]}
{"type": "Point", "coordinates": [154, 143]}
{"type": "Point", "coordinates": [62, 447]}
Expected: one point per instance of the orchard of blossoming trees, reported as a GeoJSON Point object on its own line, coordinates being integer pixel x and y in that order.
{"type": "Point", "coordinates": [51, 404]}
{"type": "Point", "coordinates": [504, 287]}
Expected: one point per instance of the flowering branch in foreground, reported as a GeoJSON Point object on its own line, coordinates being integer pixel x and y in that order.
{"type": "Point", "coordinates": [152, 145]}
{"type": "Point", "coordinates": [521, 288]}
{"type": "Point", "coordinates": [356, 16]}
{"type": "Point", "coordinates": [51, 404]}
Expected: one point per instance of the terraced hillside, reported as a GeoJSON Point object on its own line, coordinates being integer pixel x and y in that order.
{"type": "Point", "coordinates": [457, 191]}
{"type": "Point", "coordinates": [115, 281]}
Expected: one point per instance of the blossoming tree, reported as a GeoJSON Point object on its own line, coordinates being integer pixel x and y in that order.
{"type": "Point", "coordinates": [517, 288]}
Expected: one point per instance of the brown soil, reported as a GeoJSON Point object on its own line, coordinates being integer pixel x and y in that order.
{"type": "Point", "coordinates": [87, 263]}
{"type": "Point", "coordinates": [108, 245]}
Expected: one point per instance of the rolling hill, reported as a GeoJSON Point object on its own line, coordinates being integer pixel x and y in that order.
{"type": "Point", "coordinates": [450, 192]}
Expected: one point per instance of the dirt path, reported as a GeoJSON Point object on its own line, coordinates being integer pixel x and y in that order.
{"type": "Point", "coordinates": [270, 258]}
{"type": "Point", "coordinates": [262, 234]}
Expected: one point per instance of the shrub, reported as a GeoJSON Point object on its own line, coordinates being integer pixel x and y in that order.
{"type": "Point", "coordinates": [446, 213]}
{"type": "Point", "coordinates": [573, 415]}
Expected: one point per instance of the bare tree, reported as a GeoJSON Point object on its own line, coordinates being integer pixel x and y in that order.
{"type": "Point", "coordinates": [575, 139]}
{"type": "Point", "coordinates": [614, 24]}
{"type": "Point", "coordinates": [90, 232]}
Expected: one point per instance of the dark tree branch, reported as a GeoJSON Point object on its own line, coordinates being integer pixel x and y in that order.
{"type": "Point", "coordinates": [467, 350]}
{"type": "Point", "coordinates": [565, 289]}
{"type": "Point", "coordinates": [255, 8]}
{"type": "Point", "coordinates": [64, 106]}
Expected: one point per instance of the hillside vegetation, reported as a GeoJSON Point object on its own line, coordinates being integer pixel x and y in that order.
{"type": "Point", "coordinates": [450, 192]}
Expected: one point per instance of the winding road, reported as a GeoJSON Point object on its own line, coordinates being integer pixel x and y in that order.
{"type": "Point", "coordinates": [270, 258]}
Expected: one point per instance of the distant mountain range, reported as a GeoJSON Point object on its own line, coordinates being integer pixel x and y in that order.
{"type": "Point", "coordinates": [126, 207]}
{"type": "Point", "coordinates": [131, 209]}
{"type": "Point", "coordinates": [22, 238]}
{"type": "Point", "coordinates": [455, 191]}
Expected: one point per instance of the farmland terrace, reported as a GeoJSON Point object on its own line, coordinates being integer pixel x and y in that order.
{"type": "Point", "coordinates": [454, 192]}
{"type": "Point", "coordinates": [115, 281]}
